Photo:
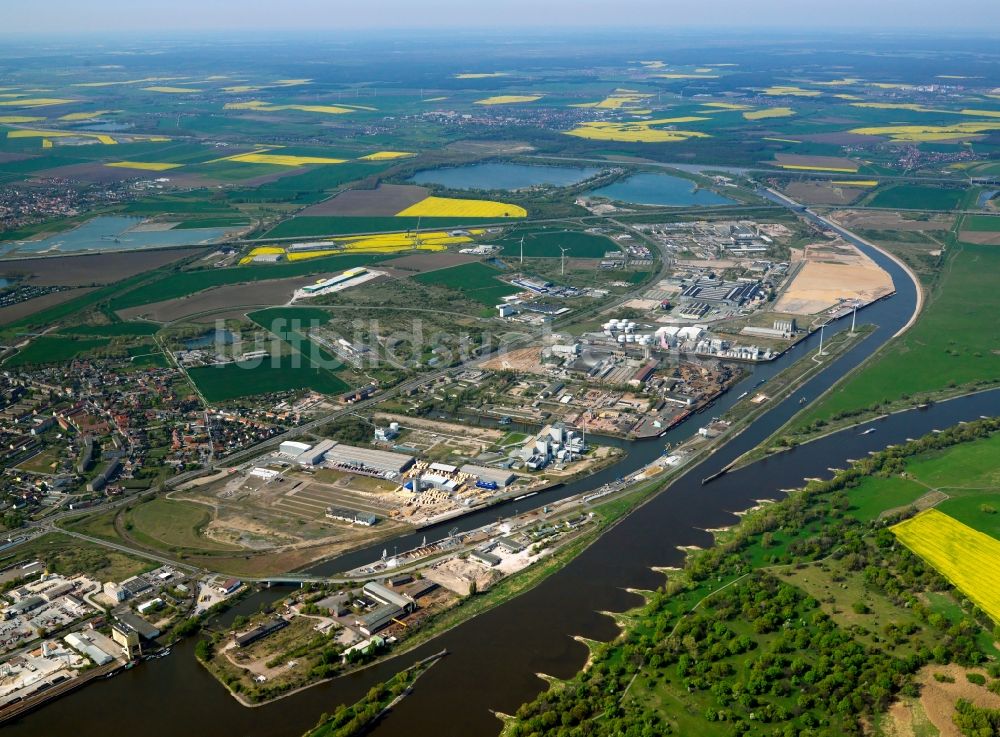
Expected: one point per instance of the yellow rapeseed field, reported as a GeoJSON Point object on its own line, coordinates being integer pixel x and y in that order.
{"type": "Point", "coordinates": [836, 169]}
{"type": "Point", "coordinates": [386, 243]}
{"type": "Point", "coordinates": [14, 119]}
{"type": "Point", "coordinates": [46, 143]}
{"type": "Point", "coordinates": [968, 558]}
{"type": "Point", "coordinates": [855, 182]}
{"type": "Point", "coordinates": [85, 116]}
{"type": "Point", "coordinates": [771, 112]}
{"type": "Point", "coordinates": [36, 102]}
{"type": "Point", "coordinates": [727, 106]}
{"type": "Point", "coordinates": [446, 207]}
{"type": "Point", "coordinates": [919, 133]}
{"type": "Point", "coordinates": [636, 132]}
{"type": "Point", "coordinates": [387, 156]}
{"type": "Point", "coordinates": [790, 91]}
{"type": "Point", "coordinates": [144, 80]}
{"type": "Point", "coordinates": [508, 99]}
{"type": "Point", "coordinates": [281, 159]}
{"type": "Point", "coordinates": [171, 90]}
{"type": "Point", "coordinates": [25, 133]}
{"type": "Point", "coordinates": [617, 100]}
{"type": "Point", "coordinates": [267, 107]}
{"type": "Point", "coordinates": [838, 82]}
{"type": "Point", "coordinates": [143, 165]}
{"type": "Point", "coordinates": [897, 106]}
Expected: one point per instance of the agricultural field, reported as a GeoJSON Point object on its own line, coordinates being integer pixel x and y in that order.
{"type": "Point", "coordinates": [313, 226]}
{"type": "Point", "coordinates": [966, 557]}
{"type": "Point", "coordinates": [181, 284]}
{"type": "Point", "coordinates": [476, 281]}
{"type": "Point", "coordinates": [113, 330]}
{"type": "Point", "coordinates": [234, 380]}
{"type": "Point", "coordinates": [916, 197]}
{"type": "Point", "coordinates": [49, 349]}
{"type": "Point", "coordinates": [547, 244]}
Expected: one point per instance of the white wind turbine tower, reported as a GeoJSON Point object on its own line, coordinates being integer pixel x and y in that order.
{"type": "Point", "coordinates": [562, 259]}
{"type": "Point", "coordinates": [522, 249]}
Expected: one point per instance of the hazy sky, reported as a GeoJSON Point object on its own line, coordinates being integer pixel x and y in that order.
{"type": "Point", "coordinates": [34, 16]}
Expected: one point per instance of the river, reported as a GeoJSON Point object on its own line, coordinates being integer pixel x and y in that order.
{"type": "Point", "coordinates": [494, 657]}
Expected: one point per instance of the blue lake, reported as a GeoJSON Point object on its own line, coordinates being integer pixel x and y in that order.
{"type": "Point", "coordinates": [212, 337]}
{"type": "Point", "coordinates": [660, 189]}
{"type": "Point", "coordinates": [503, 176]}
{"type": "Point", "coordinates": [115, 233]}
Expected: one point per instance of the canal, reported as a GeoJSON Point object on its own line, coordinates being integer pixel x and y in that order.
{"type": "Point", "coordinates": [496, 656]}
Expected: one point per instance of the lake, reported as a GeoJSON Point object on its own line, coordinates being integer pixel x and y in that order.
{"type": "Point", "coordinates": [116, 233]}
{"type": "Point", "coordinates": [212, 337]}
{"type": "Point", "coordinates": [660, 189]}
{"type": "Point", "coordinates": [503, 176]}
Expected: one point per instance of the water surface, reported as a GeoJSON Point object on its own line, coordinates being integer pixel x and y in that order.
{"type": "Point", "coordinates": [660, 189]}
{"type": "Point", "coordinates": [116, 233]}
{"type": "Point", "coordinates": [503, 176]}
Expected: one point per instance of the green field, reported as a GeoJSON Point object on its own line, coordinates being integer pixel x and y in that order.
{"type": "Point", "coordinates": [68, 555]}
{"type": "Point", "coordinates": [981, 223]}
{"type": "Point", "coordinates": [969, 474]}
{"type": "Point", "coordinates": [545, 244]}
{"type": "Point", "coordinates": [917, 197]}
{"type": "Point", "coordinates": [876, 495]}
{"type": "Point", "coordinates": [166, 524]}
{"type": "Point", "coordinates": [180, 284]}
{"type": "Point", "coordinates": [49, 349]}
{"type": "Point", "coordinates": [952, 344]}
{"type": "Point", "coordinates": [310, 227]}
{"type": "Point", "coordinates": [305, 315]}
{"type": "Point", "coordinates": [213, 222]}
{"type": "Point", "coordinates": [281, 321]}
{"type": "Point", "coordinates": [476, 281]}
{"type": "Point", "coordinates": [114, 329]}
{"type": "Point", "coordinates": [147, 355]}
{"type": "Point", "coordinates": [232, 381]}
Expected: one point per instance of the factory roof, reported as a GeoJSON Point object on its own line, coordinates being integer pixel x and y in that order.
{"type": "Point", "coordinates": [377, 460]}
{"type": "Point", "coordinates": [386, 595]}
{"type": "Point", "coordinates": [500, 476]}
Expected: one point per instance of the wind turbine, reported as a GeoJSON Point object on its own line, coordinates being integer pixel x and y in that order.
{"type": "Point", "coordinates": [562, 258]}
{"type": "Point", "coordinates": [522, 249]}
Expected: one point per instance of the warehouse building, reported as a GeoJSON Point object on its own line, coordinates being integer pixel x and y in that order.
{"type": "Point", "coordinates": [385, 595]}
{"type": "Point", "coordinates": [378, 619]}
{"type": "Point", "coordinates": [367, 460]}
{"type": "Point", "coordinates": [718, 291]}
{"type": "Point", "coordinates": [499, 476]}
{"type": "Point", "coordinates": [260, 632]}
{"type": "Point", "coordinates": [314, 455]}
{"type": "Point", "coordinates": [83, 646]}
{"type": "Point", "coordinates": [137, 624]}
{"type": "Point", "coordinates": [293, 448]}
{"type": "Point", "coordinates": [351, 516]}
